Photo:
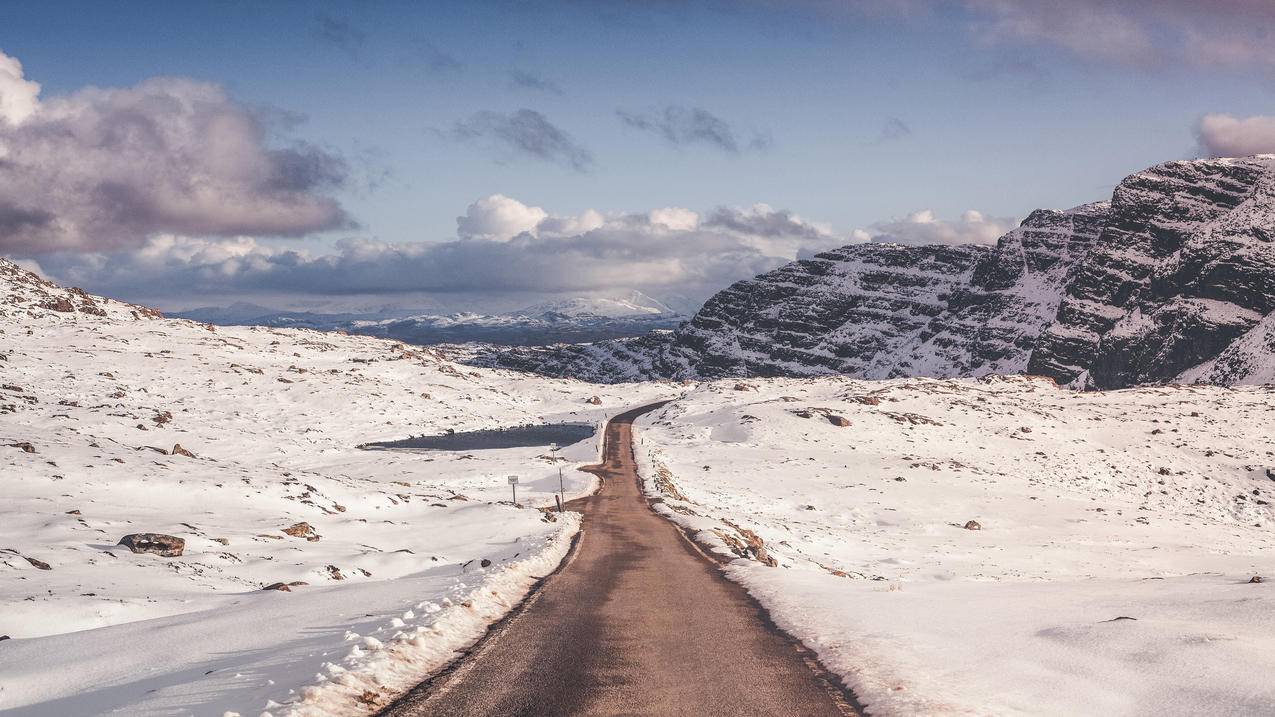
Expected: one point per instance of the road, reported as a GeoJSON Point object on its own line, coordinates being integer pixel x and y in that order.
{"type": "Point", "coordinates": [637, 622]}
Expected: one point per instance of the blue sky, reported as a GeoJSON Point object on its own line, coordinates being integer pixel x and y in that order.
{"type": "Point", "coordinates": [864, 113]}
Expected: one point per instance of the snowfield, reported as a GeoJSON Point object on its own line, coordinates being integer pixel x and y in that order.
{"type": "Point", "coordinates": [1093, 508]}
{"type": "Point", "coordinates": [386, 575]}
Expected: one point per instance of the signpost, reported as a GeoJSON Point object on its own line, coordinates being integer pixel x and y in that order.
{"type": "Point", "coordinates": [513, 483]}
{"type": "Point", "coordinates": [562, 496]}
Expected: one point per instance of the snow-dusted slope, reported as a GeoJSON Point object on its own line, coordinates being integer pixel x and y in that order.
{"type": "Point", "coordinates": [1164, 277]}
{"type": "Point", "coordinates": [94, 397]}
{"type": "Point", "coordinates": [1154, 504]}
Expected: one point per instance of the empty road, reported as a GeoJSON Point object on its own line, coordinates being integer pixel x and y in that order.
{"type": "Point", "coordinates": [637, 622]}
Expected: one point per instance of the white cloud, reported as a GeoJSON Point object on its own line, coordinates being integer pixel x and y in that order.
{"type": "Point", "coordinates": [19, 97]}
{"type": "Point", "coordinates": [103, 169]}
{"type": "Point", "coordinates": [503, 246]}
{"type": "Point", "coordinates": [924, 227]}
{"type": "Point", "coordinates": [498, 218]}
{"type": "Point", "coordinates": [1224, 135]}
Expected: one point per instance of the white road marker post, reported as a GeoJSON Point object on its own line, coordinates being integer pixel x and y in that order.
{"type": "Point", "coordinates": [513, 483]}
{"type": "Point", "coordinates": [562, 495]}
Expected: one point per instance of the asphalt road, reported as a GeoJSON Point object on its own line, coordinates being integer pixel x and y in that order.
{"type": "Point", "coordinates": [637, 622]}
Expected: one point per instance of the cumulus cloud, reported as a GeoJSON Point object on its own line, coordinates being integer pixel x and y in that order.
{"type": "Point", "coordinates": [525, 133]}
{"type": "Point", "coordinates": [1224, 135]}
{"type": "Point", "coordinates": [923, 227]}
{"type": "Point", "coordinates": [498, 218]}
{"type": "Point", "coordinates": [18, 95]}
{"type": "Point", "coordinates": [503, 246]}
{"type": "Point", "coordinates": [519, 79]}
{"type": "Point", "coordinates": [682, 126]}
{"type": "Point", "coordinates": [102, 169]}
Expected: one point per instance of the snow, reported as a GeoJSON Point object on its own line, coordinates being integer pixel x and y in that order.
{"type": "Point", "coordinates": [1150, 503]}
{"type": "Point", "coordinates": [273, 418]}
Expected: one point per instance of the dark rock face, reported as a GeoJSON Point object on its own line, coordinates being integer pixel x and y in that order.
{"type": "Point", "coordinates": [166, 546]}
{"type": "Point", "coordinates": [1184, 266]}
{"type": "Point", "coordinates": [1172, 280]}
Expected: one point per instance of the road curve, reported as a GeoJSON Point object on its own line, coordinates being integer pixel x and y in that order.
{"type": "Point", "coordinates": [637, 622]}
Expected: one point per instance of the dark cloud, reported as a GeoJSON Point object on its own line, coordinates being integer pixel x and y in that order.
{"type": "Point", "coordinates": [519, 79]}
{"type": "Point", "coordinates": [525, 133]}
{"type": "Point", "coordinates": [681, 126]}
{"type": "Point", "coordinates": [1223, 135]}
{"type": "Point", "coordinates": [103, 169]}
{"type": "Point", "coordinates": [893, 130]}
{"type": "Point", "coordinates": [339, 33]}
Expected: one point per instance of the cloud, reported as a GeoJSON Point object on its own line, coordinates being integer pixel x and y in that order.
{"type": "Point", "coordinates": [102, 169]}
{"type": "Point", "coordinates": [894, 129]}
{"type": "Point", "coordinates": [923, 227]}
{"type": "Point", "coordinates": [437, 60]}
{"type": "Point", "coordinates": [18, 95]}
{"type": "Point", "coordinates": [503, 247]}
{"type": "Point", "coordinates": [519, 79]}
{"type": "Point", "coordinates": [340, 33]}
{"type": "Point", "coordinates": [525, 133]}
{"type": "Point", "coordinates": [1224, 135]}
{"type": "Point", "coordinates": [682, 126]}
{"type": "Point", "coordinates": [498, 218]}
{"type": "Point", "coordinates": [1220, 32]}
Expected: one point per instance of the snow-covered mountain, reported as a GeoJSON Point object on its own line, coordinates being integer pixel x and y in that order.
{"type": "Point", "coordinates": [571, 320]}
{"type": "Point", "coordinates": [1173, 279]}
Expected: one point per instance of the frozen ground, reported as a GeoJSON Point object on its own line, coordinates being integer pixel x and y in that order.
{"type": "Point", "coordinates": [1151, 504]}
{"type": "Point", "coordinates": [392, 559]}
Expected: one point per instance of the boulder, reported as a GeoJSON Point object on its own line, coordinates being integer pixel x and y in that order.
{"type": "Point", "coordinates": [595, 401]}
{"type": "Point", "coordinates": [838, 420]}
{"type": "Point", "coordinates": [179, 451]}
{"type": "Point", "coordinates": [972, 525]}
{"type": "Point", "coordinates": [166, 546]}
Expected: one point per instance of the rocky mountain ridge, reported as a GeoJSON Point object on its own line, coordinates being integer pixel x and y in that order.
{"type": "Point", "coordinates": [1173, 279]}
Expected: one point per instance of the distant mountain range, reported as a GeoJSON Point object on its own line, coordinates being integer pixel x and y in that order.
{"type": "Point", "coordinates": [1172, 280]}
{"type": "Point", "coordinates": [582, 319]}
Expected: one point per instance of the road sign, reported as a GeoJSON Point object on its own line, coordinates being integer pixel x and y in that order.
{"type": "Point", "coordinates": [513, 485]}
{"type": "Point", "coordinates": [513, 480]}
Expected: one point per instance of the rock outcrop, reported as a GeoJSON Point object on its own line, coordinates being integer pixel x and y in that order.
{"type": "Point", "coordinates": [1173, 279]}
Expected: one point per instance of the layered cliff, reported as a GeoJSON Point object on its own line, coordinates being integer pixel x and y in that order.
{"type": "Point", "coordinates": [1172, 279]}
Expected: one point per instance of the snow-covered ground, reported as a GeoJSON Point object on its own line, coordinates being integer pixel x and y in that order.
{"type": "Point", "coordinates": [1153, 504]}
{"type": "Point", "coordinates": [392, 558]}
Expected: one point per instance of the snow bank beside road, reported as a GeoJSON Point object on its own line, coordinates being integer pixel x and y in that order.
{"type": "Point", "coordinates": [1153, 504]}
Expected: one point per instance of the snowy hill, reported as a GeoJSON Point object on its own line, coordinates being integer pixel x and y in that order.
{"type": "Point", "coordinates": [1109, 574]}
{"type": "Point", "coordinates": [1144, 288]}
{"type": "Point", "coordinates": [579, 319]}
{"type": "Point", "coordinates": [381, 549]}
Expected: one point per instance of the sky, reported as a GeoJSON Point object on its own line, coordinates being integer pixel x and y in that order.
{"type": "Point", "coordinates": [489, 155]}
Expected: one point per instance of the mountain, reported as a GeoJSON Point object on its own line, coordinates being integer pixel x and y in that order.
{"type": "Point", "coordinates": [572, 320]}
{"type": "Point", "coordinates": [1173, 279]}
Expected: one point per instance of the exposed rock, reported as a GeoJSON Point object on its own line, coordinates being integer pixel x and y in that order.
{"type": "Point", "coordinates": [335, 573]}
{"type": "Point", "coordinates": [485, 563]}
{"type": "Point", "coordinates": [166, 546]}
{"type": "Point", "coordinates": [26, 447]}
{"type": "Point", "coordinates": [1173, 279]}
{"type": "Point", "coordinates": [838, 420]}
{"type": "Point", "coordinates": [595, 401]}
{"type": "Point", "coordinates": [179, 451]}
{"type": "Point", "coordinates": [972, 525]}
{"type": "Point", "coordinates": [60, 303]}
{"type": "Point", "coordinates": [302, 530]}
{"type": "Point", "coordinates": [281, 587]}
{"type": "Point", "coordinates": [38, 563]}
{"type": "Point", "coordinates": [1252, 581]}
